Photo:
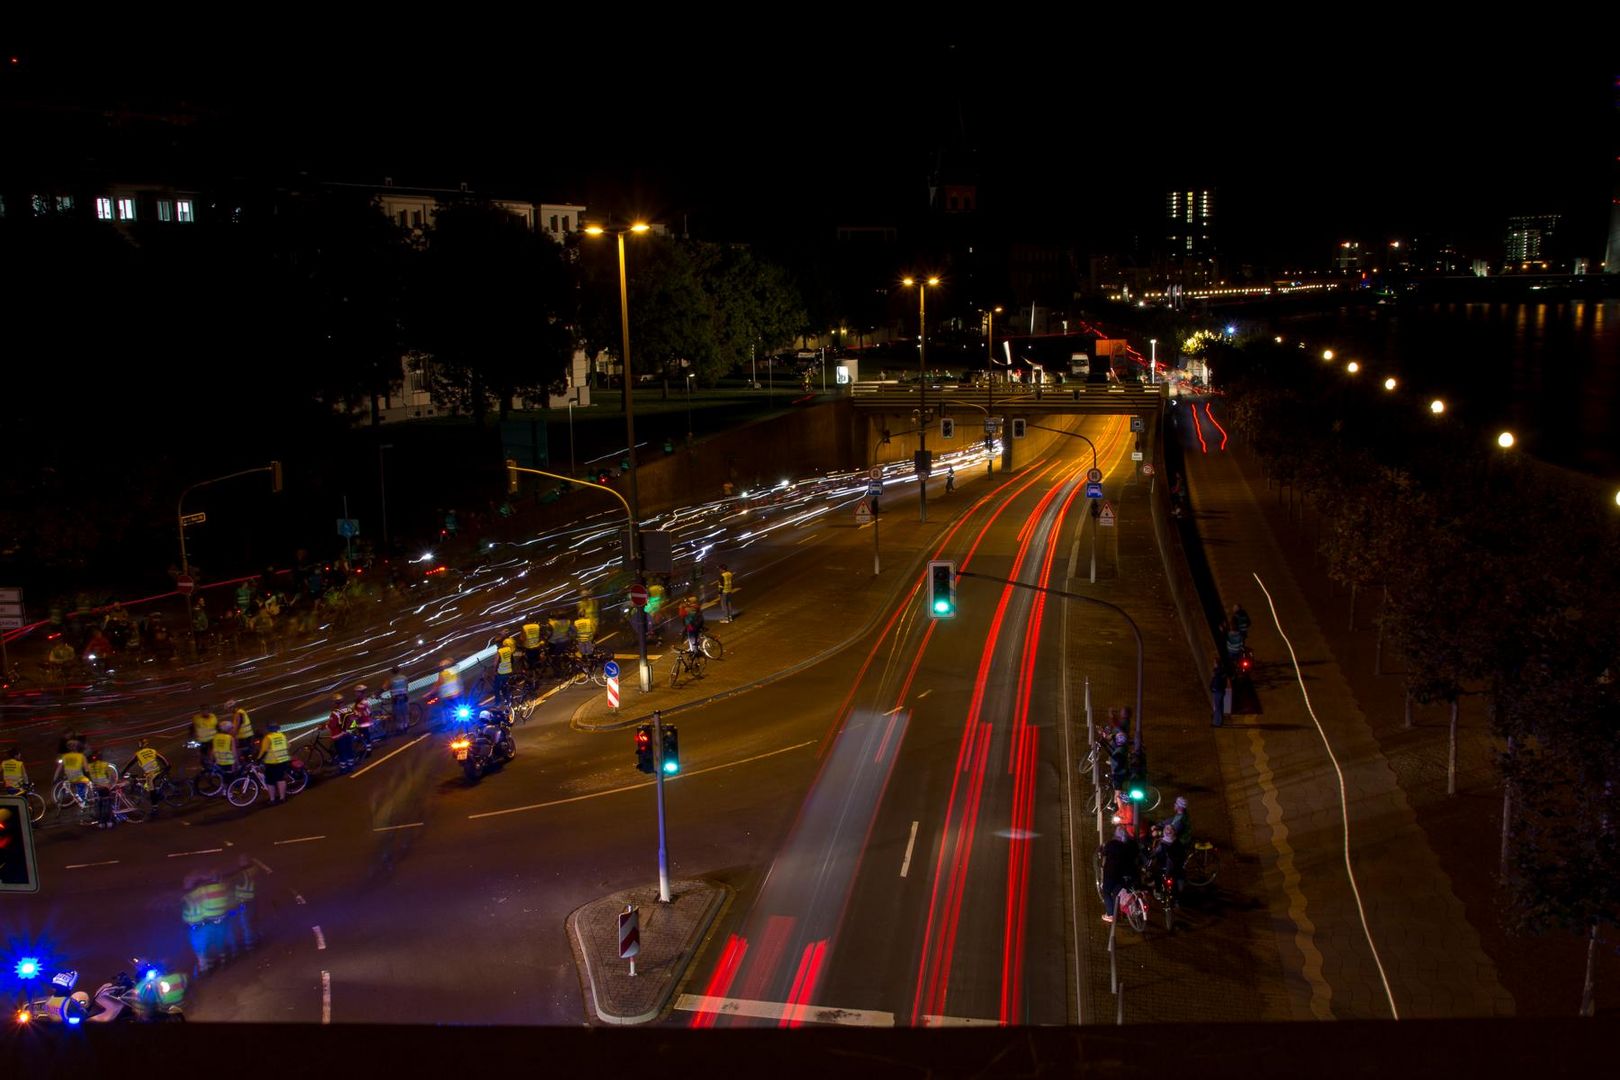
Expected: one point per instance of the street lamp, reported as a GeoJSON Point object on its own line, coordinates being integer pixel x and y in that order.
{"type": "Point", "coordinates": [1505, 440]}
{"type": "Point", "coordinates": [634, 505]}
{"type": "Point", "coordinates": [922, 373]}
{"type": "Point", "coordinates": [1390, 383]}
{"type": "Point", "coordinates": [689, 377]}
{"type": "Point", "coordinates": [1327, 354]}
{"type": "Point", "coordinates": [1352, 367]}
{"type": "Point", "coordinates": [990, 376]}
{"type": "Point", "coordinates": [1437, 406]}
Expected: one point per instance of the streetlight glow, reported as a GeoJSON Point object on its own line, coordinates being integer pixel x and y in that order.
{"type": "Point", "coordinates": [1390, 383]}
{"type": "Point", "coordinates": [908, 281]}
{"type": "Point", "coordinates": [1352, 367]}
{"type": "Point", "coordinates": [1327, 354]}
{"type": "Point", "coordinates": [1437, 406]}
{"type": "Point", "coordinates": [640, 227]}
{"type": "Point", "coordinates": [594, 230]}
{"type": "Point", "coordinates": [1505, 440]}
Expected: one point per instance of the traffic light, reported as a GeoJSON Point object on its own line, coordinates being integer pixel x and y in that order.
{"type": "Point", "coordinates": [511, 476]}
{"type": "Point", "coordinates": [942, 590]}
{"type": "Point", "coordinates": [644, 748]}
{"type": "Point", "coordinates": [1018, 427]}
{"type": "Point", "coordinates": [275, 478]}
{"type": "Point", "coordinates": [672, 750]}
{"type": "Point", "coordinates": [947, 428]}
{"type": "Point", "coordinates": [18, 871]}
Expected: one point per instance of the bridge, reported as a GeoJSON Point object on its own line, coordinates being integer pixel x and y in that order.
{"type": "Point", "coordinates": [1013, 399]}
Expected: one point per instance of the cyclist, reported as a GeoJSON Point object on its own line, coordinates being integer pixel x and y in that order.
{"type": "Point", "coordinates": [1167, 859]}
{"type": "Point", "coordinates": [61, 658]}
{"type": "Point", "coordinates": [103, 775]}
{"type": "Point", "coordinates": [448, 690]}
{"type": "Point", "coordinates": [531, 645]}
{"type": "Point", "coordinates": [1120, 758]}
{"type": "Point", "coordinates": [222, 752]}
{"type": "Point", "coordinates": [1240, 621]}
{"type": "Point", "coordinates": [562, 635]}
{"type": "Point", "coordinates": [1121, 862]}
{"type": "Point", "coordinates": [339, 725]}
{"type": "Point", "coordinates": [273, 751]}
{"type": "Point", "coordinates": [241, 724]}
{"type": "Point", "coordinates": [1179, 823]}
{"type": "Point", "coordinates": [588, 605]}
{"type": "Point", "coordinates": [152, 766]}
{"type": "Point", "coordinates": [70, 767]}
{"type": "Point", "coordinates": [399, 696]}
{"type": "Point", "coordinates": [360, 714]}
{"type": "Point", "coordinates": [585, 634]}
{"type": "Point", "coordinates": [692, 622]}
{"type": "Point", "coordinates": [503, 669]}
{"type": "Point", "coordinates": [204, 726]}
{"type": "Point", "coordinates": [13, 773]}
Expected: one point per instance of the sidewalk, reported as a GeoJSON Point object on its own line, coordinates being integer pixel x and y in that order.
{"type": "Point", "coordinates": [1281, 780]}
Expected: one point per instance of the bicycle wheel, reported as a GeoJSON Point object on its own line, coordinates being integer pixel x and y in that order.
{"type": "Point", "coordinates": [1153, 797]}
{"type": "Point", "coordinates": [176, 793]}
{"type": "Point", "coordinates": [1202, 866]}
{"type": "Point", "coordinates": [125, 809]}
{"type": "Point", "coordinates": [1135, 905]}
{"type": "Point", "coordinates": [297, 779]}
{"type": "Point", "coordinates": [36, 806]}
{"type": "Point", "coordinates": [317, 756]}
{"type": "Point", "coordinates": [242, 791]}
{"type": "Point", "coordinates": [413, 716]}
{"type": "Point", "coordinates": [62, 795]}
{"type": "Point", "coordinates": [208, 784]}
{"type": "Point", "coordinates": [675, 673]}
{"type": "Point", "coordinates": [1097, 874]}
{"type": "Point", "coordinates": [711, 646]}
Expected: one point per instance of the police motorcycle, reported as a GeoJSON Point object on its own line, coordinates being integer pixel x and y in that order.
{"type": "Point", "coordinates": [482, 744]}
{"type": "Point", "coordinates": [156, 996]}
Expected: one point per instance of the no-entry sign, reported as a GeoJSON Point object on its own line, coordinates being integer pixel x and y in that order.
{"type": "Point", "coordinates": [638, 595]}
{"type": "Point", "coordinates": [185, 583]}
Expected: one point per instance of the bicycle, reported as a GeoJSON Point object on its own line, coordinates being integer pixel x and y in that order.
{"type": "Point", "coordinates": [1132, 901]}
{"type": "Point", "coordinates": [165, 789]}
{"type": "Point", "coordinates": [124, 807]}
{"type": "Point", "coordinates": [388, 722]}
{"type": "Point", "coordinates": [686, 661]}
{"type": "Point", "coordinates": [35, 801]}
{"type": "Point", "coordinates": [1203, 863]}
{"type": "Point", "coordinates": [244, 790]}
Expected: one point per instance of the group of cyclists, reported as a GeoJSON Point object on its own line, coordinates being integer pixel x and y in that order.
{"type": "Point", "coordinates": [1125, 860]}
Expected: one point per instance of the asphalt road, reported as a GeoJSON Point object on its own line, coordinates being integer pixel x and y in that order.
{"type": "Point", "coordinates": [401, 894]}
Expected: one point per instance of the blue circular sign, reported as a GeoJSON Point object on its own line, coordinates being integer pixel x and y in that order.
{"type": "Point", "coordinates": [611, 669]}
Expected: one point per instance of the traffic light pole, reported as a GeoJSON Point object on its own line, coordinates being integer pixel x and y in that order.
{"type": "Point", "coordinates": [658, 779]}
{"type": "Point", "coordinates": [1136, 734]}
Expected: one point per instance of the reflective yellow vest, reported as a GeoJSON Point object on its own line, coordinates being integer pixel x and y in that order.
{"type": "Point", "coordinates": [449, 684]}
{"type": "Point", "coordinates": [73, 765]}
{"type": "Point", "coordinates": [503, 660]}
{"type": "Point", "coordinates": [14, 773]}
{"type": "Point", "coordinates": [725, 581]}
{"type": "Point", "coordinates": [531, 635]}
{"type": "Point", "coordinates": [214, 899]}
{"type": "Point", "coordinates": [203, 726]}
{"type": "Point", "coordinates": [559, 630]}
{"type": "Point", "coordinates": [244, 887]}
{"type": "Point", "coordinates": [243, 724]}
{"type": "Point", "coordinates": [147, 759]}
{"type": "Point", "coordinates": [274, 748]}
{"type": "Point", "coordinates": [191, 907]}
{"type": "Point", "coordinates": [224, 749]}
{"type": "Point", "coordinates": [585, 630]}
{"type": "Point", "coordinates": [102, 773]}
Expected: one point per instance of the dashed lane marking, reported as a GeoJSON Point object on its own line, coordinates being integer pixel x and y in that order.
{"type": "Point", "coordinates": [638, 787]}
{"type": "Point", "coordinates": [83, 865]}
{"type": "Point", "coordinates": [300, 840]}
{"type": "Point", "coordinates": [391, 828]}
{"type": "Point", "coordinates": [320, 938]}
{"type": "Point", "coordinates": [905, 864]}
{"type": "Point", "coordinates": [326, 997]}
{"type": "Point", "coordinates": [200, 851]}
{"type": "Point", "coordinates": [263, 866]}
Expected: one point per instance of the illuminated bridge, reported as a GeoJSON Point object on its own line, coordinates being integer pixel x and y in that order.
{"type": "Point", "coordinates": [1140, 399]}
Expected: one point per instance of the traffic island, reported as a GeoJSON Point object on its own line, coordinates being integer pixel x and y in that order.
{"type": "Point", "coordinates": [670, 936]}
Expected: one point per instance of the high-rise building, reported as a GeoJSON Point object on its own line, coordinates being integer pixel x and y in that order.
{"type": "Point", "coordinates": [1347, 257]}
{"type": "Point", "coordinates": [1529, 239]}
{"type": "Point", "coordinates": [1190, 236]}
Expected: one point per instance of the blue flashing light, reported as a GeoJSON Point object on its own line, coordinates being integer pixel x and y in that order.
{"type": "Point", "coordinates": [27, 967]}
{"type": "Point", "coordinates": [463, 712]}
{"type": "Point", "coordinates": [73, 1021]}
{"type": "Point", "coordinates": [151, 973]}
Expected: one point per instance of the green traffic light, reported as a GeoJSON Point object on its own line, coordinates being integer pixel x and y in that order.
{"type": "Point", "coordinates": [942, 605]}
{"type": "Point", "coordinates": [671, 766]}
{"type": "Point", "coordinates": [1137, 794]}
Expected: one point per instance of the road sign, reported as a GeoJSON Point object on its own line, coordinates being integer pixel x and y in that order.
{"type": "Point", "coordinates": [876, 473]}
{"type": "Point", "coordinates": [1094, 475]}
{"type": "Point", "coordinates": [656, 553]}
{"type": "Point", "coordinates": [629, 932]}
{"type": "Point", "coordinates": [990, 426]}
{"type": "Point", "coordinates": [10, 596]}
{"type": "Point", "coordinates": [874, 490]}
{"type": "Point", "coordinates": [185, 583]}
{"type": "Point", "coordinates": [638, 595]}
{"type": "Point", "coordinates": [11, 610]}
{"type": "Point", "coordinates": [1147, 468]}
{"type": "Point", "coordinates": [10, 622]}
{"type": "Point", "coordinates": [863, 514]}
{"type": "Point", "coordinates": [1137, 424]}
{"type": "Point", "coordinates": [19, 872]}
{"type": "Point", "coordinates": [1106, 517]}
{"type": "Point", "coordinates": [1136, 455]}
{"type": "Point", "coordinates": [613, 691]}
{"type": "Point", "coordinates": [193, 519]}
{"type": "Point", "coordinates": [348, 527]}
{"type": "Point", "coordinates": [611, 669]}
{"type": "Point", "coordinates": [1093, 491]}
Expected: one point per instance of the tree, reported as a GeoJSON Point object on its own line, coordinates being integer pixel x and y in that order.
{"type": "Point", "coordinates": [672, 315]}
{"type": "Point", "coordinates": [488, 305]}
{"type": "Point", "coordinates": [756, 306]}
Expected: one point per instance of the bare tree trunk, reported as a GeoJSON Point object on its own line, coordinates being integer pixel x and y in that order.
{"type": "Point", "coordinates": [1507, 816]}
{"type": "Point", "coordinates": [1588, 996]}
{"type": "Point", "coordinates": [1451, 753]}
{"type": "Point", "coordinates": [1352, 606]}
{"type": "Point", "coordinates": [1409, 707]}
{"type": "Point", "coordinates": [1378, 649]}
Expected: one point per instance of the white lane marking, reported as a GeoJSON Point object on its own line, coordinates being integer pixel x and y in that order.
{"type": "Point", "coordinates": [361, 772]}
{"type": "Point", "coordinates": [82, 865]}
{"type": "Point", "coordinates": [1344, 804]}
{"type": "Point", "coordinates": [299, 897]}
{"type": "Point", "coordinates": [203, 851]}
{"type": "Point", "coordinates": [300, 840]}
{"type": "Point", "coordinates": [905, 864]}
{"type": "Point", "coordinates": [320, 938]}
{"type": "Point", "coordinates": [958, 1021]}
{"type": "Point", "coordinates": [777, 1010]}
{"type": "Point", "coordinates": [925, 693]}
{"type": "Point", "coordinates": [229, 844]}
{"type": "Point", "coordinates": [326, 997]}
{"type": "Point", "coordinates": [261, 865]}
{"type": "Point", "coordinates": [809, 539]}
{"type": "Point", "coordinates": [391, 828]}
{"type": "Point", "coordinates": [638, 787]}
{"type": "Point", "coordinates": [896, 709]}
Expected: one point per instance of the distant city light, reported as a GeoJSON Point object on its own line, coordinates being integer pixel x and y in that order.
{"type": "Point", "coordinates": [1437, 406]}
{"type": "Point", "coordinates": [1278, 339]}
{"type": "Point", "coordinates": [1230, 329]}
{"type": "Point", "coordinates": [1390, 383]}
{"type": "Point", "coordinates": [1505, 440]}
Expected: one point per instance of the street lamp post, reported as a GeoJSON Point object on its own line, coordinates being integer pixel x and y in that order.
{"type": "Point", "coordinates": [1153, 361]}
{"type": "Point", "coordinates": [633, 507]}
{"type": "Point", "coordinates": [688, 408]}
{"type": "Point", "coordinates": [990, 378]}
{"type": "Point", "coordinates": [922, 374]}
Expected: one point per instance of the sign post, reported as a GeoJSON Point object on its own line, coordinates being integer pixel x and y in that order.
{"type": "Point", "coordinates": [658, 781]}
{"type": "Point", "coordinates": [864, 517]}
{"type": "Point", "coordinates": [611, 670]}
{"type": "Point", "coordinates": [630, 935]}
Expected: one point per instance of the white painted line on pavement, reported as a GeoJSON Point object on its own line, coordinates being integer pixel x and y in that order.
{"type": "Point", "coordinates": [777, 1010]}
{"type": "Point", "coordinates": [320, 938]}
{"type": "Point", "coordinates": [809, 539]}
{"type": "Point", "coordinates": [299, 897]}
{"type": "Point", "coordinates": [300, 840]}
{"type": "Point", "coordinates": [1344, 805]}
{"type": "Point", "coordinates": [203, 851]}
{"type": "Point", "coordinates": [391, 828]}
{"type": "Point", "coordinates": [361, 772]}
{"type": "Point", "coordinates": [263, 866]}
{"type": "Point", "coordinates": [82, 865]}
{"type": "Point", "coordinates": [925, 693]}
{"type": "Point", "coordinates": [326, 997]}
{"type": "Point", "coordinates": [638, 787]}
{"type": "Point", "coordinates": [905, 864]}
{"type": "Point", "coordinates": [958, 1021]}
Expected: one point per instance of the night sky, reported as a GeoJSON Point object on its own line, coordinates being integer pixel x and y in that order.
{"type": "Point", "coordinates": [1308, 134]}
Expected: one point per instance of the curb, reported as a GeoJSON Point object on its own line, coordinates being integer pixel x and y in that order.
{"type": "Point", "coordinates": [721, 898]}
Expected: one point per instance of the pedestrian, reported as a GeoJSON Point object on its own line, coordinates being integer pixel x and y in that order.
{"type": "Point", "coordinates": [1219, 685]}
{"type": "Point", "coordinates": [728, 585]}
{"type": "Point", "coordinates": [950, 479]}
{"type": "Point", "coordinates": [243, 918]}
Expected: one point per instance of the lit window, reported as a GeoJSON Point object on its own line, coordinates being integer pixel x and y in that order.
{"type": "Point", "coordinates": [165, 210]}
{"type": "Point", "coordinates": [64, 204]}
{"type": "Point", "coordinates": [183, 211]}
{"type": "Point", "coordinates": [103, 208]}
{"type": "Point", "coordinates": [41, 206]}
{"type": "Point", "coordinates": [126, 209]}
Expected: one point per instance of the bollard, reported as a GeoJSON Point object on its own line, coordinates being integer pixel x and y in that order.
{"type": "Point", "coordinates": [1113, 966]}
{"type": "Point", "coordinates": [1119, 1005]}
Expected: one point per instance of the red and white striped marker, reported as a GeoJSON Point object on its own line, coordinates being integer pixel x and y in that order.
{"type": "Point", "coordinates": [613, 692]}
{"type": "Point", "coordinates": [630, 935]}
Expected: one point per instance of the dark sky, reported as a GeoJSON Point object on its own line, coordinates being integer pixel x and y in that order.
{"type": "Point", "coordinates": [1308, 133]}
